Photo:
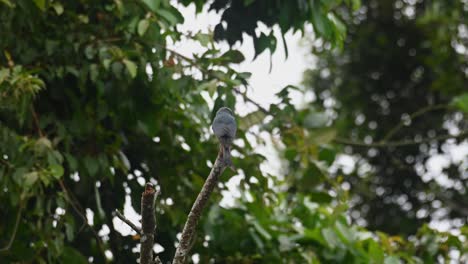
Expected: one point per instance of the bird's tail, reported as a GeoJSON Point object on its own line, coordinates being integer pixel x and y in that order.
{"type": "Point", "coordinates": [227, 157]}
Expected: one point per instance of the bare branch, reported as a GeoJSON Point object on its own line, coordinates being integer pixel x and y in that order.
{"type": "Point", "coordinates": [15, 229]}
{"type": "Point", "coordinates": [412, 116]}
{"type": "Point", "coordinates": [402, 143]}
{"type": "Point", "coordinates": [36, 121]}
{"type": "Point", "coordinates": [196, 211]}
{"type": "Point", "coordinates": [157, 260]}
{"type": "Point", "coordinates": [79, 210]}
{"type": "Point", "coordinates": [6, 163]}
{"type": "Point", "coordinates": [148, 224]}
{"type": "Point", "coordinates": [248, 99]}
{"type": "Point", "coordinates": [128, 222]}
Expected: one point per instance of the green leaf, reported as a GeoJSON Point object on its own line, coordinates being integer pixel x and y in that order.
{"type": "Point", "coordinates": [339, 30]}
{"type": "Point", "coordinates": [30, 178]}
{"type": "Point", "coordinates": [330, 237]}
{"type": "Point", "coordinates": [143, 26]}
{"type": "Point", "coordinates": [272, 42]}
{"type": "Point", "coordinates": [204, 39]}
{"type": "Point", "coordinates": [375, 251]}
{"type": "Point", "coordinates": [251, 119]}
{"type": "Point", "coordinates": [106, 63]}
{"type": "Point", "coordinates": [461, 102]}
{"type": "Point", "coordinates": [7, 2]}
{"type": "Point", "coordinates": [58, 7]}
{"type": "Point", "coordinates": [153, 5]}
{"type": "Point", "coordinates": [322, 136]}
{"type": "Point", "coordinates": [355, 4]}
{"type": "Point", "coordinates": [131, 67]}
{"type": "Point", "coordinates": [56, 170]}
{"type": "Point", "coordinates": [327, 155]}
{"type": "Point", "coordinates": [89, 52]}
{"type": "Point", "coordinates": [72, 256]}
{"type": "Point", "coordinates": [260, 44]}
{"type": "Point", "coordinates": [97, 195]}
{"type": "Point", "coordinates": [71, 161]}
{"type": "Point", "coordinates": [320, 21]}
{"type": "Point", "coordinates": [69, 231]}
{"type": "Point", "coordinates": [261, 230]}
{"type": "Point", "coordinates": [40, 4]}
{"type": "Point", "coordinates": [168, 16]}
{"type": "Point", "coordinates": [315, 120]}
{"type": "Point", "coordinates": [233, 56]}
{"type": "Point", "coordinates": [42, 145]}
{"type": "Point", "coordinates": [245, 75]}
{"type": "Point", "coordinates": [285, 45]}
{"type": "Point", "coordinates": [392, 260]}
{"type": "Point", "coordinates": [209, 86]}
{"type": "Point", "coordinates": [320, 197]}
{"type": "Point", "coordinates": [290, 153]}
{"type": "Point", "coordinates": [91, 165]}
{"type": "Point", "coordinates": [4, 73]}
{"type": "Point", "coordinates": [94, 72]}
{"type": "Point", "coordinates": [346, 234]}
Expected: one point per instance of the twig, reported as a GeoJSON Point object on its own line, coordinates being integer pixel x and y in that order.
{"type": "Point", "coordinates": [205, 71]}
{"type": "Point", "coordinates": [402, 143]}
{"type": "Point", "coordinates": [157, 260]}
{"type": "Point", "coordinates": [36, 121]}
{"type": "Point", "coordinates": [128, 222]}
{"type": "Point", "coordinates": [15, 229]}
{"type": "Point", "coordinates": [412, 116]}
{"type": "Point", "coordinates": [196, 211]}
{"type": "Point", "coordinates": [148, 224]}
{"type": "Point", "coordinates": [248, 99]}
{"type": "Point", "coordinates": [6, 163]}
{"type": "Point", "coordinates": [80, 213]}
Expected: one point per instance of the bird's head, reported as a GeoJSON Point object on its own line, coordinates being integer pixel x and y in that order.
{"type": "Point", "coordinates": [225, 110]}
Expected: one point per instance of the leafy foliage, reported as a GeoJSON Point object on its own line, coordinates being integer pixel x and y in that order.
{"type": "Point", "coordinates": [94, 104]}
{"type": "Point", "coordinates": [401, 77]}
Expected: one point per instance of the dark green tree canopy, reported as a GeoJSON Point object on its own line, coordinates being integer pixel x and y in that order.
{"type": "Point", "coordinates": [93, 104]}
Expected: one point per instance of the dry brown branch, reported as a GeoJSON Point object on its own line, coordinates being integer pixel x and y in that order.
{"type": "Point", "coordinates": [128, 222]}
{"type": "Point", "coordinates": [148, 224]}
{"type": "Point", "coordinates": [196, 211]}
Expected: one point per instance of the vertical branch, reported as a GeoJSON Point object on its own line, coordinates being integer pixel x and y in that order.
{"type": "Point", "coordinates": [196, 211]}
{"type": "Point", "coordinates": [148, 224]}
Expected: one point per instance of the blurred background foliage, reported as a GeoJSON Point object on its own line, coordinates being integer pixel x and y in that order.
{"type": "Point", "coordinates": [399, 79]}
{"type": "Point", "coordinates": [93, 103]}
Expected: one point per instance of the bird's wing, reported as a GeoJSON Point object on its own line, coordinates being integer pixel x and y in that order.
{"type": "Point", "coordinates": [224, 124]}
{"type": "Point", "coordinates": [232, 127]}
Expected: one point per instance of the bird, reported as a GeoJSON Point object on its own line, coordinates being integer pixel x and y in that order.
{"type": "Point", "coordinates": [224, 127]}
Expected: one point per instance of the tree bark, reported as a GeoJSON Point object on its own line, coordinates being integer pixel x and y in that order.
{"type": "Point", "coordinates": [148, 224]}
{"type": "Point", "coordinates": [196, 211]}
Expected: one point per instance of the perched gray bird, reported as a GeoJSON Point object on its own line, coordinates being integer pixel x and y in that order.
{"type": "Point", "coordinates": [224, 127]}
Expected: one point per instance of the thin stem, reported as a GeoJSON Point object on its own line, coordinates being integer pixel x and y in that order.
{"type": "Point", "coordinates": [80, 213]}
{"type": "Point", "coordinates": [414, 115]}
{"type": "Point", "coordinates": [128, 222]}
{"type": "Point", "coordinates": [402, 143]}
{"type": "Point", "coordinates": [205, 71]}
{"type": "Point", "coordinates": [15, 229]}
{"type": "Point", "coordinates": [248, 99]}
{"type": "Point", "coordinates": [188, 232]}
{"type": "Point", "coordinates": [6, 163]}
{"type": "Point", "coordinates": [36, 121]}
